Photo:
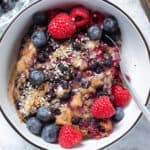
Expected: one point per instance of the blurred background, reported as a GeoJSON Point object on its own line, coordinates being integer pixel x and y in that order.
{"type": "Point", "coordinates": [138, 137]}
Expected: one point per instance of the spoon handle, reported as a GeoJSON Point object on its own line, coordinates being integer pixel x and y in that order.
{"type": "Point", "coordinates": [137, 99]}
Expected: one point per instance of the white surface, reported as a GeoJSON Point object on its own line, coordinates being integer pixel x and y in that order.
{"type": "Point", "coordinates": [7, 133]}
{"type": "Point", "coordinates": [7, 17]}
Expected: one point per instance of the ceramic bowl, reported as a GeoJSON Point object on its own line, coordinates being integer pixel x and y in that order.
{"type": "Point", "coordinates": [135, 57]}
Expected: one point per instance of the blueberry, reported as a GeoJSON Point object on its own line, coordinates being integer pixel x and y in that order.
{"type": "Point", "coordinates": [119, 115]}
{"type": "Point", "coordinates": [99, 69]}
{"type": "Point", "coordinates": [50, 133]}
{"type": "Point", "coordinates": [65, 96]}
{"type": "Point", "coordinates": [44, 114]}
{"type": "Point", "coordinates": [50, 76]}
{"type": "Point", "coordinates": [85, 84]}
{"type": "Point", "coordinates": [95, 32]}
{"type": "Point", "coordinates": [68, 75]}
{"type": "Point", "coordinates": [42, 57]}
{"type": "Point", "coordinates": [93, 65]}
{"type": "Point", "coordinates": [75, 120]}
{"type": "Point", "coordinates": [39, 38]}
{"type": "Point", "coordinates": [51, 94]}
{"type": "Point", "coordinates": [40, 18]}
{"type": "Point", "coordinates": [77, 75]}
{"type": "Point", "coordinates": [36, 77]}
{"type": "Point", "coordinates": [34, 125]}
{"type": "Point", "coordinates": [108, 62]}
{"type": "Point", "coordinates": [63, 68]}
{"type": "Point", "coordinates": [57, 111]}
{"type": "Point", "coordinates": [110, 38]}
{"type": "Point", "coordinates": [65, 84]}
{"type": "Point", "coordinates": [110, 24]}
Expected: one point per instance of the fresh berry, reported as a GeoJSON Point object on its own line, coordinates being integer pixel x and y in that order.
{"type": "Point", "coordinates": [36, 77]}
{"type": "Point", "coordinates": [108, 62]}
{"type": "Point", "coordinates": [99, 69]}
{"type": "Point", "coordinates": [121, 96]}
{"type": "Point", "coordinates": [118, 115]}
{"type": "Point", "coordinates": [68, 75]}
{"type": "Point", "coordinates": [69, 137]}
{"type": "Point", "coordinates": [61, 26]}
{"type": "Point", "coordinates": [110, 24]}
{"type": "Point", "coordinates": [44, 114]}
{"type": "Point", "coordinates": [42, 57]}
{"type": "Point", "coordinates": [95, 66]}
{"type": "Point", "coordinates": [92, 65]}
{"type": "Point", "coordinates": [34, 125]}
{"type": "Point", "coordinates": [80, 15]}
{"type": "Point", "coordinates": [102, 108]}
{"type": "Point", "coordinates": [65, 96]}
{"type": "Point", "coordinates": [65, 84]}
{"type": "Point", "coordinates": [95, 32]}
{"type": "Point", "coordinates": [50, 76]}
{"type": "Point", "coordinates": [63, 68]}
{"type": "Point", "coordinates": [98, 18]}
{"type": "Point", "coordinates": [77, 75]}
{"type": "Point", "coordinates": [53, 13]}
{"type": "Point", "coordinates": [50, 94]}
{"type": "Point", "coordinates": [39, 38]}
{"type": "Point", "coordinates": [50, 133]}
{"type": "Point", "coordinates": [57, 111]}
{"type": "Point", "coordinates": [40, 18]}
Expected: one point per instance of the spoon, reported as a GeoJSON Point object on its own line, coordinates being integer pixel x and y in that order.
{"type": "Point", "coordinates": [133, 92]}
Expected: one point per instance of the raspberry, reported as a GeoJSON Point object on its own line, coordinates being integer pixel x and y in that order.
{"type": "Point", "coordinates": [121, 96]}
{"type": "Point", "coordinates": [80, 15]}
{"type": "Point", "coordinates": [69, 137]}
{"type": "Point", "coordinates": [102, 108]}
{"type": "Point", "coordinates": [98, 17]}
{"type": "Point", "coordinates": [61, 26]}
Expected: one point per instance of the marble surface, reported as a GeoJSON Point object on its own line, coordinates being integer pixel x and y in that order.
{"type": "Point", "coordinates": [137, 139]}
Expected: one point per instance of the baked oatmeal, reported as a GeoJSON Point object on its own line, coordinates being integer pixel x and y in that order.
{"type": "Point", "coordinates": [67, 83]}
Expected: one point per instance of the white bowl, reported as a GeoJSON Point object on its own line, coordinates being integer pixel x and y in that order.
{"type": "Point", "coordinates": [134, 52]}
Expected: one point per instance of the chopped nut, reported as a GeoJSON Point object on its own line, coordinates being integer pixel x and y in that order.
{"type": "Point", "coordinates": [95, 82]}
{"type": "Point", "coordinates": [26, 72]}
{"type": "Point", "coordinates": [106, 125]}
{"type": "Point", "coordinates": [91, 45]}
{"type": "Point", "coordinates": [87, 91]}
{"type": "Point", "coordinates": [65, 116]}
{"type": "Point", "coordinates": [76, 101]}
{"type": "Point", "coordinates": [80, 63]}
{"type": "Point", "coordinates": [91, 90]}
{"type": "Point", "coordinates": [60, 91]}
{"type": "Point", "coordinates": [26, 59]}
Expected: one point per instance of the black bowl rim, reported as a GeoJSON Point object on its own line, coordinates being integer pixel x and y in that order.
{"type": "Point", "coordinates": [148, 50]}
